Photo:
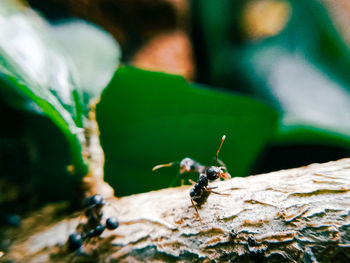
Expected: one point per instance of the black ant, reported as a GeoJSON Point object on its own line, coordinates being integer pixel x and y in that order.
{"type": "Point", "coordinates": [93, 228]}
{"type": "Point", "coordinates": [200, 190]}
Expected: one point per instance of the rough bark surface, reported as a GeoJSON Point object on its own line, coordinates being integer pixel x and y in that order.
{"type": "Point", "coordinates": [93, 182]}
{"type": "Point", "coordinates": [296, 215]}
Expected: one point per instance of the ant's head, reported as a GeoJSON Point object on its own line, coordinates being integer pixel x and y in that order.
{"type": "Point", "coordinates": [95, 200]}
{"type": "Point", "coordinates": [214, 172]}
{"type": "Point", "coordinates": [188, 165]}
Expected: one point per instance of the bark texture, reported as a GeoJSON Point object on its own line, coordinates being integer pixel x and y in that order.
{"type": "Point", "coordinates": [93, 182]}
{"type": "Point", "coordinates": [296, 215]}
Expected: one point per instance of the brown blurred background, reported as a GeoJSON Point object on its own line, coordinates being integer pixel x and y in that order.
{"type": "Point", "coordinates": [157, 34]}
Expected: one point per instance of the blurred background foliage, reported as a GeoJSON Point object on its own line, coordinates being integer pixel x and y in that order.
{"type": "Point", "coordinates": [158, 118]}
{"type": "Point", "coordinates": [46, 83]}
{"type": "Point", "coordinates": [273, 75]}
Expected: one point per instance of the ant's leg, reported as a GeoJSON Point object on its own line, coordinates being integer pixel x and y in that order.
{"type": "Point", "coordinates": [78, 252]}
{"type": "Point", "coordinates": [195, 207]}
{"type": "Point", "coordinates": [191, 181]}
{"type": "Point", "coordinates": [182, 181]}
{"type": "Point", "coordinates": [70, 259]}
{"type": "Point", "coordinates": [208, 189]}
{"type": "Point", "coordinates": [113, 206]}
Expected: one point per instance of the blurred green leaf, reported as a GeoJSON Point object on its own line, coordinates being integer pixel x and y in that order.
{"type": "Point", "coordinates": [94, 52]}
{"type": "Point", "coordinates": [149, 118]}
{"type": "Point", "coordinates": [54, 69]}
{"type": "Point", "coordinates": [304, 70]}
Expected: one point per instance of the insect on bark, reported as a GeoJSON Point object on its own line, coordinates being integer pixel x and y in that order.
{"type": "Point", "coordinates": [200, 190]}
{"type": "Point", "coordinates": [95, 224]}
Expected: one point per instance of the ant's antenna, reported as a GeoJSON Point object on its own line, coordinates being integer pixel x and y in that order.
{"type": "Point", "coordinates": [163, 165]}
{"type": "Point", "coordinates": [217, 153]}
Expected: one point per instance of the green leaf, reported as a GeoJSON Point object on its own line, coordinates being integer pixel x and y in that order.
{"type": "Point", "coordinates": [149, 118]}
{"type": "Point", "coordinates": [45, 103]}
{"type": "Point", "coordinates": [304, 70]}
{"type": "Point", "coordinates": [55, 69]}
{"type": "Point", "coordinates": [94, 52]}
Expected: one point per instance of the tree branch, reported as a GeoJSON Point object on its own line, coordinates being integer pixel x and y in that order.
{"type": "Point", "coordinates": [296, 215]}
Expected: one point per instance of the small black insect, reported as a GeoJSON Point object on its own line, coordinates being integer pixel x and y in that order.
{"type": "Point", "coordinates": [94, 226]}
{"type": "Point", "coordinates": [112, 223]}
{"type": "Point", "coordinates": [188, 165]}
{"type": "Point", "coordinates": [97, 231]}
{"type": "Point", "coordinates": [200, 190]}
{"type": "Point", "coordinates": [75, 241]}
{"type": "Point", "coordinates": [93, 209]}
{"type": "Point", "coordinates": [95, 200]}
